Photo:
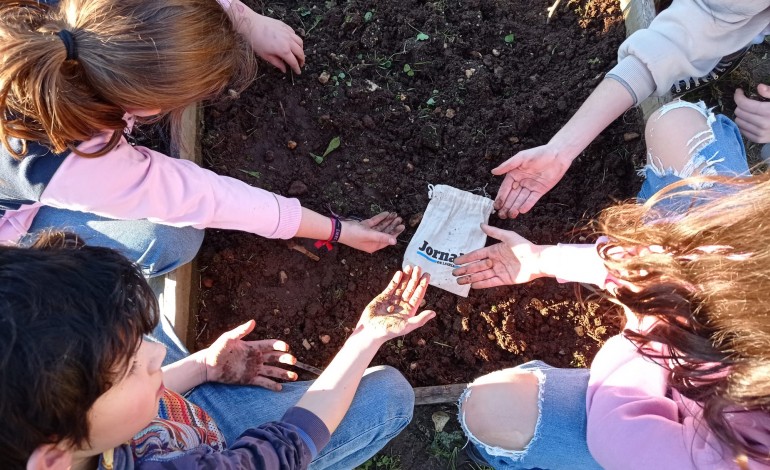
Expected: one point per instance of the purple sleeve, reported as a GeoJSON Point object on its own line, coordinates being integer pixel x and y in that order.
{"type": "Point", "coordinates": [133, 183]}
{"type": "Point", "coordinates": [289, 444]}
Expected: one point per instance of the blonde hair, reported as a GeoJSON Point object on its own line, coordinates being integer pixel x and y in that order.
{"type": "Point", "coordinates": [705, 275]}
{"type": "Point", "coordinates": [131, 54]}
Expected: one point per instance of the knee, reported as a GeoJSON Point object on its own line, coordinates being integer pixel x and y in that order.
{"type": "Point", "coordinates": [501, 409]}
{"type": "Point", "coordinates": [677, 121]}
{"type": "Point", "coordinates": [399, 402]}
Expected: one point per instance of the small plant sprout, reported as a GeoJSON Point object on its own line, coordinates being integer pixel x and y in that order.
{"type": "Point", "coordinates": [422, 36]}
{"type": "Point", "coordinates": [333, 145]}
{"type": "Point", "coordinates": [408, 70]}
{"type": "Point", "coordinates": [509, 38]}
{"type": "Point", "coordinates": [368, 16]}
{"type": "Point", "coordinates": [432, 100]}
{"type": "Point", "coordinates": [255, 174]}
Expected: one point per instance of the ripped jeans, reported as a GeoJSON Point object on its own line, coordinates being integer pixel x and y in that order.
{"type": "Point", "coordinates": [559, 440]}
{"type": "Point", "coordinates": [719, 151]}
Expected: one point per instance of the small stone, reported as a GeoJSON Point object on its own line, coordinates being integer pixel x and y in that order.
{"type": "Point", "coordinates": [306, 344]}
{"type": "Point", "coordinates": [276, 311]}
{"type": "Point", "coordinates": [415, 219]}
{"type": "Point", "coordinates": [269, 156]}
{"type": "Point", "coordinates": [233, 94]}
{"type": "Point", "coordinates": [413, 366]}
{"type": "Point", "coordinates": [562, 352]}
{"type": "Point", "coordinates": [629, 136]}
{"type": "Point", "coordinates": [439, 418]}
{"type": "Point", "coordinates": [207, 282]}
{"type": "Point", "coordinates": [491, 337]}
{"type": "Point", "coordinates": [286, 331]}
{"type": "Point", "coordinates": [450, 113]}
{"type": "Point", "coordinates": [343, 261]}
{"type": "Point", "coordinates": [476, 54]}
{"type": "Point", "coordinates": [297, 188]}
{"type": "Point", "coordinates": [368, 122]}
{"type": "Point", "coordinates": [324, 77]}
{"type": "Point", "coordinates": [513, 139]}
{"type": "Point", "coordinates": [495, 53]}
{"type": "Point", "coordinates": [469, 73]}
{"type": "Point", "coordinates": [283, 277]}
{"type": "Point", "coordinates": [366, 160]}
{"type": "Point", "coordinates": [421, 342]}
{"type": "Point", "coordinates": [325, 339]}
{"type": "Point", "coordinates": [409, 167]}
{"type": "Point", "coordinates": [579, 331]}
{"type": "Point", "coordinates": [291, 145]}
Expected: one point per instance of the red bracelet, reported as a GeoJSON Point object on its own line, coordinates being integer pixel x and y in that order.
{"type": "Point", "coordinates": [334, 237]}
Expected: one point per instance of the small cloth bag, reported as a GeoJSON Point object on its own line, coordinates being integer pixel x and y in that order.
{"type": "Point", "coordinates": [449, 228]}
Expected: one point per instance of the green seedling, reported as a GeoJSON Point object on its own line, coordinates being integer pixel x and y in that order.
{"type": "Point", "coordinates": [303, 11]}
{"type": "Point", "coordinates": [432, 100]}
{"type": "Point", "coordinates": [408, 70]}
{"type": "Point", "coordinates": [333, 145]}
{"type": "Point", "coordinates": [385, 64]}
{"type": "Point", "coordinates": [509, 38]}
{"type": "Point", "coordinates": [255, 174]}
{"type": "Point", "coordinates": [368, 16]}
{"type": "Point", "coordinates": [422, 36]}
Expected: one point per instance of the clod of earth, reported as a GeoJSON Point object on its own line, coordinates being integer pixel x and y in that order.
{"type": "Point", "coordinates": [629, 136]}
{"type": "Point", "coordinates": [306, 344]}
{"type": "Point", "coordinates": [207, 282]}
{"type": "Point", "coordinates": [415, 219]}
{"type": "Point", "coordinates": [283, 277]}
{"type": "Point", "coordinates": [324, 77]}
{"type": "Point", "coordinates": [297, 188]}
{"type": "Point", "coordinates": [325, 339]}
{"type": "Point", "coordinates": [450, 113]}
{"type": "Point", "coordinates": [291, 145]}
{"type": "Point", "coordinates": [439, 418]}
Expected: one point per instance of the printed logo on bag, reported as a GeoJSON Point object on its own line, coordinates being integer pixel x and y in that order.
{"type": "Point", "coordinates": [436, 256]}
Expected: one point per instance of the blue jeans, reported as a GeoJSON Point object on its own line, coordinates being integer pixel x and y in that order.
{"type": "Point", "coordinates": [156, 248]}
{"type": "Point", "coordinates": [381, 408]}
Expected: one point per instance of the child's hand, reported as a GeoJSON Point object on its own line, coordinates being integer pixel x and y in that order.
{"type": "Point", "coordinates": [392, 313]}
{"type": "Point", "coordinates": [372, 234]}
{"type": "Point", "coordinates": [514, 261]}
{"type": "Point", "coordinates": [274, 41]}
{"type": "Point", "coordinates": [753, 116]}
{"type": "Point", "coordinates": [231, 360]}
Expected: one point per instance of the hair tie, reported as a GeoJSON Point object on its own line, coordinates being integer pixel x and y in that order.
{"type": "Point", "coordinates": [69, 43]}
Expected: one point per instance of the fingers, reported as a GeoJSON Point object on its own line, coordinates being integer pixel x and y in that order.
{"type": "Point", "coordinates": [750, 131]}
{"type": "Point", "coordinates": [268, 345]}
{"type": "Point", "coordinates": [418, 321]}
{"type": "Point", "coordinates": [299, 55]}
{"type": "Point", "coordinates": [260, 381]}
{"type": "Point", "coordinates": [279, 358]}
{"type": "Point", "coordinates": [419, 292]}
{"type": "Point", "coordinates": [476, 277]}
{"type": "Point", "coordinates": [277, 373]}
{"type": "Point", "coordinates": [413, 280]}
{"type": "Point", "coordinates": [746, 104]}
{"type": "Point", "coordinates": [496, 233]}
{"type": "Point", "coordinates": [508, 165]}
{"type": "Point", "coordinates": [241, 331]}
{"type": "Point", "coordinates": [482, 265]}
{"type": "Point", "coordinates": [276, 62]}
{"type": "Point", "coordinates": [491, 282]}
{"type": "Point", "coordinates": [530, 202]}
{"type": "Point", "coordinates": [509, 207]}
{"type": "Point", "coordinates": [394, 283]}
{"type": "Point", "coordinates": [505, 189]}
{"type": "Point", "coordinates": [763, 90]}
{"type": "Point", "coordinates": [377, 219]}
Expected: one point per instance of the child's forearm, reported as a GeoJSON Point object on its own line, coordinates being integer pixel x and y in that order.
{"type": "Point", "coordinates": [314, 225]}
{"type": "Point", "coordinates": [331, 394]}
{"type": "Point", "coordinates": [573, 263]}
{"type": "Point", "coordinates": [605, 104]}
{"type": "Point", "coordinates": [185, 374]}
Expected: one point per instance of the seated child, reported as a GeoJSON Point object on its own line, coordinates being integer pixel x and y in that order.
{"type": "Point", "coordinates": [685, 386]}
{"type": "Point", "coordinates": [75, 75]}
{"type": "Point", "coordinates": [80, 386]}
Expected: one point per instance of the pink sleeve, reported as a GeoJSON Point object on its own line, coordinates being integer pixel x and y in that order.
{"type": "Point", "coordinates": [574, 263]}
{"type": "Point", "coordinates": [137, 183]}
{"type": "Point", "coordinates": [633, 424]}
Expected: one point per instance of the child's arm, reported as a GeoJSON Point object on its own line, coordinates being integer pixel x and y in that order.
{"type": "Point", "coordinates": [517, 260]}
{"type": "Point", "coordinates": [231, 360]}
{"type": "Point", "coordinates": [271, 39]}
{"type": "Point", "coordinates": [132, 183]}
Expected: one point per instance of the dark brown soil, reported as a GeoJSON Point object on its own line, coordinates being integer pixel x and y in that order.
{"type": "Point", "coordinates": [475, 97]}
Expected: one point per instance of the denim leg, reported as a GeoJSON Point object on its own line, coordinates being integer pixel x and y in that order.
{"type": "Point", "coordinates": [382, 408]}
{"type": "Point", "coordinates": [156, 248]}
{"type": "Point", "coordinates": [559, 441]}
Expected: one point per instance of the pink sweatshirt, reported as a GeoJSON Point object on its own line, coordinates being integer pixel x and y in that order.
{"type": "Point", "coordinates": [131, 183]}
{"type": "Point", "coordinates": [635, 420]}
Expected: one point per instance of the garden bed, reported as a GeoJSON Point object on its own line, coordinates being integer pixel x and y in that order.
{"type": "Point", "coordinates": [418, 93]}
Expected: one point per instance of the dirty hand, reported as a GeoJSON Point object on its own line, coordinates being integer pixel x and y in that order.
{"type": "Point", "coordinates": [392, 313]}
{"type": "Point", "coordinates": [528, 176]}
{"type": "Point", "coordinates": [514, 261]}
{"type": "Point", "coordinates": [372, 234]}
{"type": "Point", "coordinates": [753, 116]}
{"type": "Point", "coordinates": [231, 360]}
{"type": "Point", "coordinates": [273, 40]}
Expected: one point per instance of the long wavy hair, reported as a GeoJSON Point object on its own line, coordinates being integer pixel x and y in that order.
{"type": "Point", "coordinates": [131, 54]}
{"type": "Point", "coordinates": [704, 274]}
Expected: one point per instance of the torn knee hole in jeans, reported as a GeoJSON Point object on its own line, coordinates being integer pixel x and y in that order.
{"type": "Point", "coordinates": [703, 164]}
{"type": "Point", "coordinates": [497, 451]}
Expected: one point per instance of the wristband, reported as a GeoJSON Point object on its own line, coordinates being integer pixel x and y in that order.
{"type": "Point", "coordinates": [334, 237]}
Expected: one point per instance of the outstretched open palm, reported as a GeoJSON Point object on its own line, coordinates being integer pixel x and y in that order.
{"type": "Point", "coordinates": [528, 176]}
{"type": "Point", "coordinates": [514, 261]}
{"type": "Point", "coordinates": [392, 313]}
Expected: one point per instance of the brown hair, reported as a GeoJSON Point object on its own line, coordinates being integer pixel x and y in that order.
{"type": "Point", "coordinates": [706, 281]}
{"type": "Point", "coordinates": [131, 54]}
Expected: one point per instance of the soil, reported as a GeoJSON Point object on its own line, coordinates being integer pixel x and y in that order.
{"type": "Point", "coordinates": [490, 79]}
